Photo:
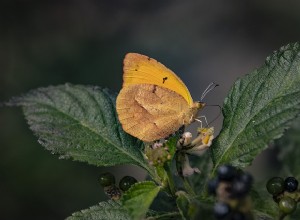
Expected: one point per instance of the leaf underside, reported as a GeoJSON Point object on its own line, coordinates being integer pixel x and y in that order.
{"type": "Point", "coordinates": [80, 122]}
{"type": "Point", "coordinates": [103, 211]}
{"type": "Point", "coordinates": [259, 108]}
{"type": "Point", "coordinates": [263, 205]}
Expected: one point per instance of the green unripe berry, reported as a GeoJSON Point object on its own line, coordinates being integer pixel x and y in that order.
{"type": "Point", "coordinates": [287, 205]}
{"type": "Point", "coordinates": [126, 182]}
{"type": "Point", "coordinates": [107, 179]}
{"type": "Point", "coordinates": [275, 185]}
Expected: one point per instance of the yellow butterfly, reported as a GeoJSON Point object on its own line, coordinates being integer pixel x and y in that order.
{"type": "Point", "coordinates": [153, 102]}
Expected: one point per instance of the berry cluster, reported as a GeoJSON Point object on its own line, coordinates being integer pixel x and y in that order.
{"type": "Point", "coordinates": [231, 188]}
{"type": "Point", "coordinates": [284, 193]}
{"type": "Point", "coordinates": [108, 182]}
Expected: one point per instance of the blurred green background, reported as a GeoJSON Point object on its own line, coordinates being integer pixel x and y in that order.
{"type": "Point", "coordinates": [83, 42]}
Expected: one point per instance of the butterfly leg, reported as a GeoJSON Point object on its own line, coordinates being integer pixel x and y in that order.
{"type": "Point", "coordinates": [200, 121]}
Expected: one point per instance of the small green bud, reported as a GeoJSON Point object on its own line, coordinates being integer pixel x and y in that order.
{"type": "Point", "coordinates": [287, 205]}
{"type": "Point", "coordinates": [107, 179]}
{"type": "Point", "coordinates": [275, 185]}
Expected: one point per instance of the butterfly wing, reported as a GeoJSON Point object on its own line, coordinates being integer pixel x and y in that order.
{"type": "Point", "coordinates": [150, 112]}
{"type": "Point", "coordinates": [140, 69]}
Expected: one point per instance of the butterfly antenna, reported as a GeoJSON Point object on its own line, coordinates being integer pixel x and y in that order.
{"type": "Point", "coordinates": [210, 87]}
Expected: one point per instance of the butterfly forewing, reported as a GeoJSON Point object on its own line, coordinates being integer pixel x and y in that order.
{"type": "Point", "coordinates": [140, 69]}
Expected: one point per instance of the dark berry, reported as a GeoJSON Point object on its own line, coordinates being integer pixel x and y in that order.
{"type": "Point", "coordinates": [212, 186]}
{"type": "Point", "coordinates": [287, 205]}
{"type": "Point", "coordinates": [126, 182]}
{"type": "Point", "coordinates": [290, 184]}
{"type": "Point", "coordinates": [107, 179]}
{"type": "Point", "coordinates": [221, 210]}
{"type": "Point", "coordinates": [246, 178]}
{"type": "Point", "coordinates": [238, 216]}
{"type": "Point", "coordinates": [275, 185]}
{"type": "Point", "coordinates": [226, 172]}
{"type": "Point", "coordinates": [240, 188]}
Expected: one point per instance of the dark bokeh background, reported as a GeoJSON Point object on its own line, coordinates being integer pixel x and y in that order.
{"type": "Point", "coordinates": [84, 42]}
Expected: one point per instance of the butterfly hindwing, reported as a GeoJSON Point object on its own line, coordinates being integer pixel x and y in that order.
{"type": "Point", "coordinates": [148, 112]}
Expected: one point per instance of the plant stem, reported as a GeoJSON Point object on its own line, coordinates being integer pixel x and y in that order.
{"type": "Point", "coordinates": [281, 217]}
{"type": "Point", "coordinates": [166, 216]}
{"type": "Point", "coordinates": [188, 186]}
{"type": "Point", "coordinates": [170, 179]}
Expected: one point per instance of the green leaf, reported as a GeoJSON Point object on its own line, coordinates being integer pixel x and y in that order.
{"type": "Point", "coordinates": [152, 215]}
{"type": "Point", "coordinates": [263, 203]}
{"type": "Point", "coordinates": [80, 122]}
{"type": "Point", "coordinates": [259, 108]}
{"type": "Point", "coordinates": [289, 148]}
{"type": "Point", "coordinates": [164, 203]}
{"type": "Point", "coordinates": [183, 204]}
{"type": "Point", "coordinates": [289, 153]}
{"type": "Point", "coordinates": [294, 215]}
{"type": "Point", "coordinates": [203, 209]}
{"type": "Point", "coordinates": [103, 211]}
{"type": "Point", "coordinates": [171, 143]}
{"type": "Point", "coordinates": [139, 197]}
{"type": "Point", "coordinates": [204, 164]}
{"type": "Point", "coordinates": [193, 208]}
{"type": "Point", "coordinates": [261, 216]}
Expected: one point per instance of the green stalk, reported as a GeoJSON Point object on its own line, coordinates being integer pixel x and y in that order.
{"type": "Point", "coordinates": [167, 216]}
{"type": "Point", "coordinates": [188, 186]}
{"type": "Point", "coordinates": [170, 179]}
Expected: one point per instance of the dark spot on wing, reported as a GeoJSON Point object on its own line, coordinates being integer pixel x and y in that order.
{"type": "Point", "coordinates": [149, 58]}
{"type": "Point", "coordinates": [154, 89]}
{"type": "Point", "coordinates": [135, 69]}
{"type": "Point", "coordinates": [164, 79]}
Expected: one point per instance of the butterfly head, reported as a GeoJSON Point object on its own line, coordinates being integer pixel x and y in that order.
{"type": "Point", "coordinates": [198, 105]}
{"type": "Point", "coordinates": [191, 113]}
